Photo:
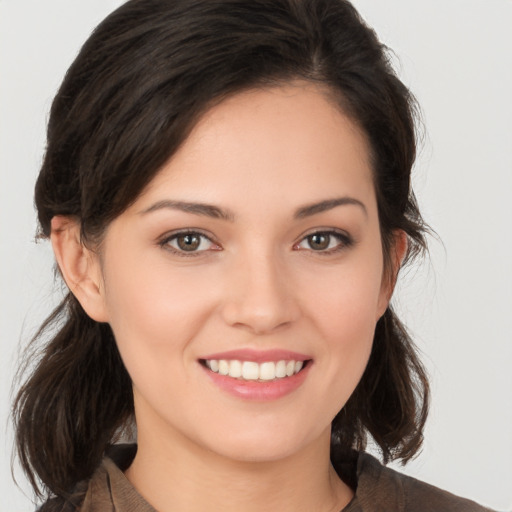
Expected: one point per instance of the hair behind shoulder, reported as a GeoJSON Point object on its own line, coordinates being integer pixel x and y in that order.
{"type": "Point", "coordinates": [74, 402]}
{"type": "Point", "coordinates": [128, 101]}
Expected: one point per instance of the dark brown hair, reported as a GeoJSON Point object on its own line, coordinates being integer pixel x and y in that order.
{"type": "Point", "coordinates": [128, 101]}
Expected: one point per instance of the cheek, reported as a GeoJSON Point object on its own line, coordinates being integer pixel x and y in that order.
{"type": "Point", "coordinates": [348, 322]}
{"type": "Point", "coordinates": [153, 312]}
{"type": "Point", "coordinates": [151, 317]}
{"type": "Point", "coordinates": [349, 300]}
{"type": "Point", "coordinates": [345, 308]}
{"type": "Point", "coordinates": [148, 291]}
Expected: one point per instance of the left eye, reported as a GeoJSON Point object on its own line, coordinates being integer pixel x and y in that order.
{"type": "Point", "coordinates": [324, 241]}
{"type": "Point", "coordinates": [188, 242]}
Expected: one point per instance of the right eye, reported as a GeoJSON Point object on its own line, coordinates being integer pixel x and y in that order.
{"type": "Point", "coordinates": [325, 242]}
{"type": "Point", "coordinates": [188, 243]}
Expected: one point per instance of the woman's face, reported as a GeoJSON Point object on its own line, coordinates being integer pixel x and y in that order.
{"type": "Point", "coordinates": [255, 251]}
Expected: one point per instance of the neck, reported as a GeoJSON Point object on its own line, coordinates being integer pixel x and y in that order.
{"type": "Point", "coordinates": [175, 474]}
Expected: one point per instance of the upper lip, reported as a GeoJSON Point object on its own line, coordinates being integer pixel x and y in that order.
{"type": "Point", "coordinates": [258, 356]}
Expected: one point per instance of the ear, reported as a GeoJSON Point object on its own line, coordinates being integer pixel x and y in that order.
{"type": "Point", "coordinates": [397, 254]}
{"type": "Point", "coordinates": [79, 266]}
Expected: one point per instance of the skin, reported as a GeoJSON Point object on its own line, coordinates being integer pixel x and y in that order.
{"type": "Point", "coordinates": [256, 282]}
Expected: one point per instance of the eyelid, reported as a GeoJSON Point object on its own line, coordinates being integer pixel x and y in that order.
{"type": "Point", "coordinates": [164, 240]}
{"type": "Point", "coordinates": [345, 239]}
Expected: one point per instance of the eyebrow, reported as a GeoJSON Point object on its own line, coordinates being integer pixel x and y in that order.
{"type": "Point", "coordinates": [207, 210]}
{"type": "Point", "coordinates": [329, 204]}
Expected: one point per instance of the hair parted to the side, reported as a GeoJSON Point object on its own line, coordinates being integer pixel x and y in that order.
{"type": "Point", "coordinates": [134, 92]}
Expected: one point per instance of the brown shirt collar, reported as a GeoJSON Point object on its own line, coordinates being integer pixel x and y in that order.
{"type": "Point", "coordinates": [377, 488]}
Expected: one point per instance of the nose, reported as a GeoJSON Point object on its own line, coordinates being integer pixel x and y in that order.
{"type": "Point", "coordinates": [260, 296]}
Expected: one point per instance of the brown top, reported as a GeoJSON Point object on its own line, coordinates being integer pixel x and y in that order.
{"type": "Point", "coordinates": [377, 488]}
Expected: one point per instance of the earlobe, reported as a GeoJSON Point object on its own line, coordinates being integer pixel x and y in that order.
{"type": "Point", "coordinates": [79, 266]}
{"type": "Point", "coordinates": [396, 257]}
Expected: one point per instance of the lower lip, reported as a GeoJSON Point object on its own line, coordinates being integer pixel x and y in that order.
{"type": "Point", "coordinates": [259, 390]}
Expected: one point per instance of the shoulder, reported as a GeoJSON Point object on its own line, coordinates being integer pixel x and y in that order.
{"type": "Point", "coordinates": [382, 488]}
{"type": "Point", "coordinates": [108, 490]}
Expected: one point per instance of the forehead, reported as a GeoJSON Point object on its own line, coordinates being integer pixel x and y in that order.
{"type": "Point", "coordinates": [291, 141]}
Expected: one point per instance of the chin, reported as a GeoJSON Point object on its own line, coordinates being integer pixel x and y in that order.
{"type": "Point", "coordinates": [273, 444]}
{"type": "Point", "coordinates": [259, 453]}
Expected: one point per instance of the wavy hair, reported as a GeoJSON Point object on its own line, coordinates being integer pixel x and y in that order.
{"type": "Point", "coordinates": [130, 98]}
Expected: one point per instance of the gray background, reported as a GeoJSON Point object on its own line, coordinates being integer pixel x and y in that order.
{"type": "Point", "coordinates": [456, 55]}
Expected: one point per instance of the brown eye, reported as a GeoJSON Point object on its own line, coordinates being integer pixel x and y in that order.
{"type": "Point", "coordinates": [319, 241]}
{"type": "Point", "coordinates": [188, 242]}
{"type": "Point", "coordinates": [325, 242]}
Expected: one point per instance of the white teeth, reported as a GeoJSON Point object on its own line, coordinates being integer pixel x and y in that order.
{"type": "Point", "coordinates": [235, 369]}
{"type": "Point", "coordinates": [267, 371]}
{"type": "Point", "coordinates": [281, 369]}
{"type": "Point", "coordinates": [250, 370]}
{"type": "Point", "coordinates": [223, 367]}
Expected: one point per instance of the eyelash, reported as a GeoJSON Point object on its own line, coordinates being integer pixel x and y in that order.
{"type": "Point", "coordinates": [344, 242]}
{"type": "Point", "coordinates": [165, 243]}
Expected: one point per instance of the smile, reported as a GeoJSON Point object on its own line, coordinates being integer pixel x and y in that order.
{"type": "Point", "coordinates": [254, 371]}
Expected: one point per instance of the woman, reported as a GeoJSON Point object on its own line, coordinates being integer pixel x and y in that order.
{"type": "Point", "coordinates": [227, 191]}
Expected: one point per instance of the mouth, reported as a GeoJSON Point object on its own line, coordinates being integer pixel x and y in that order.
{"type": "Point", "coordinates": [255, 371]}
{"type": "Point", "coordinates": [257, 375]}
